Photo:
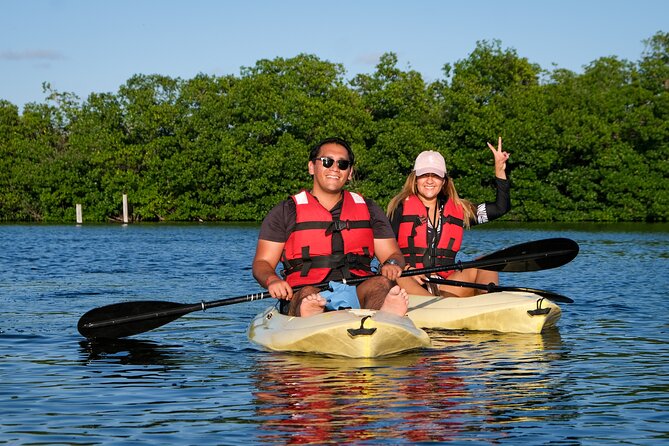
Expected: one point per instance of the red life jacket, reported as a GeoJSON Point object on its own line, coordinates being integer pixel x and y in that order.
{"type": "Point", "coordinates": [308, 255]}
{"type": "Point", "coordinates": [412, 235]}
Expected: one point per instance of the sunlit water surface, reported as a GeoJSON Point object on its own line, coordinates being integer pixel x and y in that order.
{"type": "Point", "coordinates": [601, 378]}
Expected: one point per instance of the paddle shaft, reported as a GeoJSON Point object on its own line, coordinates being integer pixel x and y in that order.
{"type": "Point", "coordinates": [202, 306]}
{"type": "Point", "coordinates": [492, 288]}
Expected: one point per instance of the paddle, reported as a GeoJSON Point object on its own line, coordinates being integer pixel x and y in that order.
{"type": "Point", "coordinates": [129, 318]}
{"type": "Point", "coordinates": [492, 288]}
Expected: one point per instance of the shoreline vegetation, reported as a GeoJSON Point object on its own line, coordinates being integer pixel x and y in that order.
{"type": "Point", "coordinates": [498, 225]}
{"type": "Point", "coordinates": [589, 147]}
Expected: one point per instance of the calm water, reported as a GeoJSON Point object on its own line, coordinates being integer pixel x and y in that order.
{"type": "Point", "coordinates": [601, 378]}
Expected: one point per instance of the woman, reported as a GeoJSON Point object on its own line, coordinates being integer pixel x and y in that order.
{"type": "Point", "coordinates": [429, 219]}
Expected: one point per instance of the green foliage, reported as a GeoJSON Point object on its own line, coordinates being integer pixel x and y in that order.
{"type": "Point", "coordinates": [588, 147]}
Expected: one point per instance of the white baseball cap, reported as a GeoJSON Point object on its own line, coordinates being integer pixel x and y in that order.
{"type": "Point", "coordinates": [430, 162]}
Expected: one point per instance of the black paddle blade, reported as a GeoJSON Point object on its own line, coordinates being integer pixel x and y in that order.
{"type": "Point", "coordinates": [130, 318]}
{"type": "Point", "coordinates": [532, 256]}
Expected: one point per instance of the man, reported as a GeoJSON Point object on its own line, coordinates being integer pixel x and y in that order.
{"type": "Point", "coordinates": [329, 234]}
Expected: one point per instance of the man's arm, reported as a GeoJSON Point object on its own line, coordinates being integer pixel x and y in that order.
{"type": "Point", "coordinates": [265, 261]}
{"type": "Point", "coordinates": [387, 250]}
{"type": "Point", "coordinates": [385, 245]}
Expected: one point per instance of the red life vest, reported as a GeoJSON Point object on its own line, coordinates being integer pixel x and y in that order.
{"type": "Point", "coordinates": [308, 255]}
{"type": "Point", "coordinates": [412, 235]}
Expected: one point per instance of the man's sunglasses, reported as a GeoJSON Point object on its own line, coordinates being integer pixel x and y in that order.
{"type": "Point", "coordinates": [328, 162]}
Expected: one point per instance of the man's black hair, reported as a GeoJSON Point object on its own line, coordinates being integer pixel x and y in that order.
{"type": "Point", "coordinates": [334, 140]}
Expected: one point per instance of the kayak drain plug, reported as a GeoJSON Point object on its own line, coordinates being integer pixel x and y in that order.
{"type": "Point", "coordinates": [539, 311]}
{"type": "Point", "coordinates": [362, 331]}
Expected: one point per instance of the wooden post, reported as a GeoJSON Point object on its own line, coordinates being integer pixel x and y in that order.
{"type": "Point", "coordinates": [80, 218]}
{"type": "Point", "coordinates": [125, 208]}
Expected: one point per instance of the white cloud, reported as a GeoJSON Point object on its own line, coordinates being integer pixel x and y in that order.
{"type": "Point", "coordinates": [371, 59]}
{"type": "Point", "coordinates": [31, 55]}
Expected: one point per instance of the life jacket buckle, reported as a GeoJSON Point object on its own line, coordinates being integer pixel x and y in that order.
{"type": "Point", "coordinates": [338, 226]}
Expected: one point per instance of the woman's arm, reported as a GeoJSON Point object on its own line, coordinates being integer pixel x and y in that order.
{"type": "Point", "coordinates": [489, 211]}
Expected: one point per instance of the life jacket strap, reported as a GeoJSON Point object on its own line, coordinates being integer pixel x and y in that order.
{"type": "Point", "coordinates": [340, 262]}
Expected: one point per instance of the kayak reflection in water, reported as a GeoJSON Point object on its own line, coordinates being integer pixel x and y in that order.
{"type": "Point", "coordinates": [301, 399]}
{"type": "Point", "coordinates": [329, 234]}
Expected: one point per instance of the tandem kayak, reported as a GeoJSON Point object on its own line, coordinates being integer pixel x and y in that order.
{"type": "Point", "coordinates": [349, 333]}
{"type": "Point", "coordinates": [505, 311]}
{"type": "Point", "coordinates": [372, 334]}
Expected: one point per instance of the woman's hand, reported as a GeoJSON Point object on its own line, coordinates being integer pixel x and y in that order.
{"type": "Point", "coordinates": [500, 159]}
{"type": "Point", "coordinates": [420, 278]}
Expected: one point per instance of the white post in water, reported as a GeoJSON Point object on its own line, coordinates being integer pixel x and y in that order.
{"type": "Point", "coordinates": [80, 218]}
{"type": "Point", "coordinates": [125, 208]}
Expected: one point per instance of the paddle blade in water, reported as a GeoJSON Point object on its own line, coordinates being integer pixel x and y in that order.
{"type": "Point", "coordinates": [532, 256]}
{"type": "Point", "coordinates": [130, 318]}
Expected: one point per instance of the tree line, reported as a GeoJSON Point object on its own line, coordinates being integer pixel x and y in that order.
{"type": "Point", "coordinates": [584, 147]}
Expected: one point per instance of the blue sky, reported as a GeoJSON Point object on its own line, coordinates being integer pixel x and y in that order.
{"type": "Point", "coordinates": [84, 46]}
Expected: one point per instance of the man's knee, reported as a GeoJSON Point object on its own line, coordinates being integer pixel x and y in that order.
{"type": "Point", "coordinates": [379, 283]}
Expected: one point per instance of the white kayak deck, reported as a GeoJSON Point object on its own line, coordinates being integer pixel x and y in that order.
{"type": "Point", "coordinates": [505, 311]}
{"type": "Point", "coordinates": [371, 334]}
{"type": "Point", "coordinates": [349, 333]}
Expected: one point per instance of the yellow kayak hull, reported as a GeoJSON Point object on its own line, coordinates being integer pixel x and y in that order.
{"type": "Point", "coordinates": [507, 312]}
{"type": "Point", "coordinates": [347, 333]}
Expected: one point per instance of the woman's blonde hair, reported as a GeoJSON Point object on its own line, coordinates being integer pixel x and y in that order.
{"type": "Point", "coordinates": [447, 191]}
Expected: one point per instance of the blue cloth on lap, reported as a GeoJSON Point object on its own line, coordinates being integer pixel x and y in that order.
{"type": "Point", "coordinates": [342, 296]}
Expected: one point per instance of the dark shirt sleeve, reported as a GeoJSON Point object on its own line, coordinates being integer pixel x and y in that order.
{"type": "Point", "coordinates": [397, 219]}
{"type": "Point", "coordinates": [279, 222]}
{"type": "Point", "coordinates": [380, 224]}
{"type": "Point", "coordinates": [490, 211]}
